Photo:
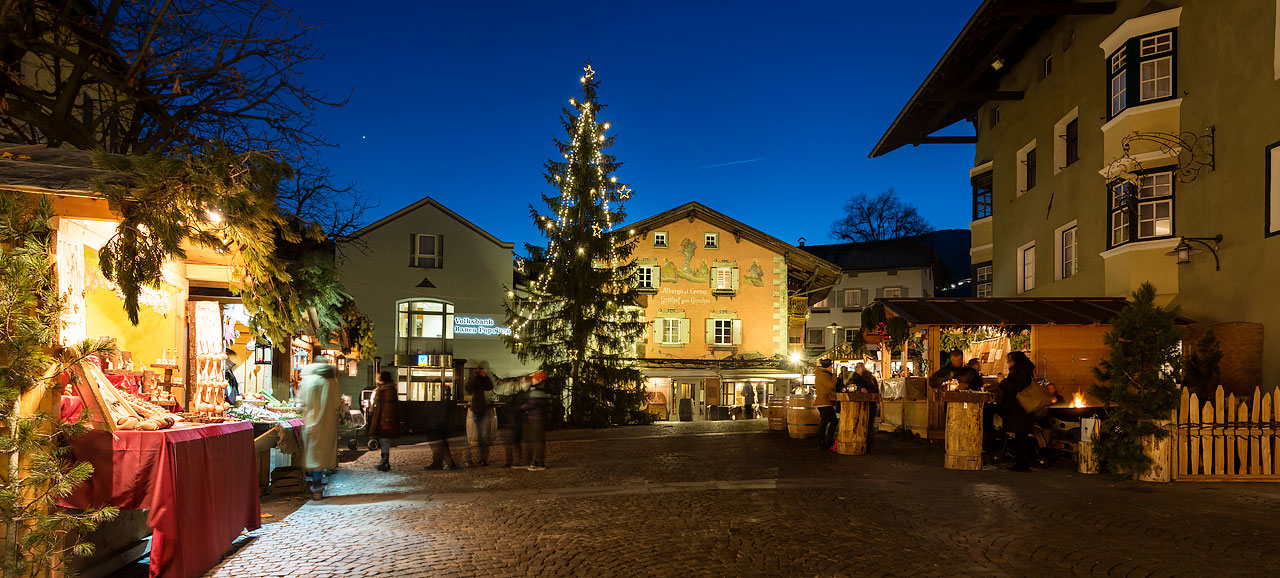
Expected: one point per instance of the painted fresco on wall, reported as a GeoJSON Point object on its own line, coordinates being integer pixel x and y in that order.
{"type": "Point", "coordinates": [673, 274]}
{"type": "Point", "coordinates": [755, 275]}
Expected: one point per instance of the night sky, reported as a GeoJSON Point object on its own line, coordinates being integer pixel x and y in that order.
{"type": "Point", "coordinates": [762, 110]}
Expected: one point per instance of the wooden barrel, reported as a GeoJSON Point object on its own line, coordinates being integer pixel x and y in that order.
{"type": "Point", "coordinates": [852, 437]}
{"type": "Point", "coordinates": [964, 436]}
{"type": "Point", "coordinates": [802, 417]}
{"type": "Point", "coordinates": [778, 413]}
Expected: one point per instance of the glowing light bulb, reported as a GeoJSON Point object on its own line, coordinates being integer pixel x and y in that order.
{"type": "Point", "coordinates": [581, 250]}
{"type": "Point", "coordinates": [607, 125]}
{"type": "Point", "coordinates": [213, 216]}
{"type": "Point", "coordinates": [613, 179]}
{"type": "Point", "coordinates": [583, 80]}
{"type": "Point", "coordinates": [571, 101]}
{"type": "Point", "coordinates": [511, 294]}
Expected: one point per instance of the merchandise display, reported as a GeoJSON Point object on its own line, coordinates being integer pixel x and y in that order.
{"type": "Point", "coordinates": [111, 408]}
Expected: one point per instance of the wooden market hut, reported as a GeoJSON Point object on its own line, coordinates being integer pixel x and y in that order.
{"type": "Point", "coordinates": [1066, 343]}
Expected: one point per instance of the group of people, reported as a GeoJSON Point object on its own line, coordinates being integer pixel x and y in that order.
{"type": "Point", "coordinates": [521, 422]}
{"type": "Point", "coordinates": [826, 384]}
{"type": "Point", "coordinates": [1014, 418]}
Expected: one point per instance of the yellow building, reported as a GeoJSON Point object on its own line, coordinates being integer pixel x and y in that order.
{"type": "Point", "coordinates": [719, 297]}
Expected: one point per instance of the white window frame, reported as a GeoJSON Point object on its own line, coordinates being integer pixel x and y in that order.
{"type": "Point", "coordinates": [416, 256]}
{"type": "Point", "coordinates": [724, 279]}
{"type": "Point", "coordinates": [825, 303]}
{"type": "Point", "coordinates": [723, 331]}
{"type": "Point", "coordinates": [983, 290]}
{"type": "Point", "coordinates": [1060, 140]}
{"type": "Point", "coordinates": [849, 333]}
{"type": "Point", "coordinates": [1066, 262]}
{"type": "Point", "coordinates": [1118, 80]}
{"type": "Point", "coordinates": [670, 326]}
{"type": "Point", "coordinates": [660, 240]}
{"type": "Point", "coordinates": [1021, 161]}
{"type": "Point", "coordinates": [1160, 82]}
{"type": "Point", "coordinates": [645, 277]}
{"type": "Point", "coordinates": [1156, 189]}
{"type": "Point", "coordinates": [711, 240]}
{"type": "Point", "coordinates": [820, 341]}
{"type": "Point", "coordinates": [1026, 270]}
{"type": "Point", "coordinates": [897, 292]}
{"type": "Point", "coordinates": [856, 302]}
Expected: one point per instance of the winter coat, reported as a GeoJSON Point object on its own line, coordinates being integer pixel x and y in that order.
{"type": "Point", "coordinates": [535, 409]}
{"type": "Point", "coordinates": [479, 387]}
{"type": "Point", "coordinates": [824, 386]}
{"type": "Point", "coordinates": [384, 416]}
{"type": "Point", "coordinates": [965, 375]}
{"type": "Point", "coordinates": [749, 397]}
{"type": "Point", "coordinates": [1016, 419]}
{"type": "Point", "coordinates": [321, 399]}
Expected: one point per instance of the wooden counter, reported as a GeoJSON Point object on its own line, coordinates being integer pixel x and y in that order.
{"type": "Point", "coordinates": [855, 422]}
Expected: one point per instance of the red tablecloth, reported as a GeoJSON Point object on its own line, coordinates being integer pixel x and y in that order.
{"type": "Point", "coordinates": [128, 383]}
{"type": "Point", "coordinates": [200, 484]}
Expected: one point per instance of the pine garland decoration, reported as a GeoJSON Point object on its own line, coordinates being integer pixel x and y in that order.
{"type": "Point", "coordinates": [1137, 382]}
{"type": "Point", "coordinates": [578, 315]}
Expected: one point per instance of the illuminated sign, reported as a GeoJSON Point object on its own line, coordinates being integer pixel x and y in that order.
{"type": "Point", "coordinates": [478, 326]}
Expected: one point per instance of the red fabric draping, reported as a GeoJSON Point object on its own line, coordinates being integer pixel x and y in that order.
{"type": "Point", "coordinates": [128, 383]}
{"type": "Point", "coordinates": [69, 409]}
{"type": "Point", "coordinates": [200, 484]}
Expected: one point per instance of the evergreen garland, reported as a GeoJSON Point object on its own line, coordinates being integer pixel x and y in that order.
{"type": "Point", "coordinates": [1137, 382]}
{"type": "Point", "coordinates": [37, 473]}
{"type": "Point", "coordinates": [578, 315]}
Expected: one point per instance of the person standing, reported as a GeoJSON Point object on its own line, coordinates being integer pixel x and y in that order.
{"type": "Point", "coordinates": [965, 376]}
{"type": "Point", "coordinates": [232, 392]}
{"type": "Point", "coordinates": [824, 387]}
{"type": "Point", "coordinates": [478, 387]}
{"type": "Point", "coordinates": [535, 433]}
{"type": "Point", "coordinates": [1016, 419]}
{"type": "Point", "coordinates": [384, 417]}
{"type": "Point", "coordinates": [321, 399]}
{"type": "Point", "coordinates": [748, 402]}
{"type": "Point", "coordinates": [865, 381]}
{"type": "Point", "coordinates": [437, 417]}
{"type": "Point", "coordinates": [511, 423]}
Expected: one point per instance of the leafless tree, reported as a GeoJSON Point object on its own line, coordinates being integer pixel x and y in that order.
{"type": "Point", "coordinates": [878, 218]}
{"type": "Point", "coordinates": [133, 76]}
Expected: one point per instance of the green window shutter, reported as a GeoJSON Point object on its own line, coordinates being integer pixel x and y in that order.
{"type": "Point", "coordinates": [866, 297]}
{"type": "Point", "coordinates": [684, 331]}
{"type": "Point", "coordinates": [734, 278]}
{"type": "Point", "coordinates": [879, 292]}
{"type": "Point", "coordinates": [713, 278]}
{"type": "Point", "coordinates": [657, 330]}
{"type": "Point", "coordinates": [839, 297]}
{"type": "Point", "coordinates": [906, 292]}
{"type": "Point", "coordinates": [655, 273]}
{"type": "Point", "coordinates": [711, 331]}
{"type": "Point", "coordinates": [737, 332]}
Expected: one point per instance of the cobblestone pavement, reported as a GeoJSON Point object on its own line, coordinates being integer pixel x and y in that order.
{"type": "Point", "coordinates": [732, 499]}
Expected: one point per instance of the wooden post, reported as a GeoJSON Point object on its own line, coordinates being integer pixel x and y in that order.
{"type": "Point", "coordinates": [855, 418]}
{"type": "Point", "coordinates": [933, 347]}
{"type": "Point", "coordinates": [964, 428]}
{"type": "Point", "coordinates": [1161, 453]}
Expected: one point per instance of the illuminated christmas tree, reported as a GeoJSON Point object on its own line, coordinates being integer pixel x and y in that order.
{"type": "Point", "coordinates": [577, 313]}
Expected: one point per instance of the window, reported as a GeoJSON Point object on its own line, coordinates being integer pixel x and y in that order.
{"type": "Point", "coordinates": [660, 239]}
{"type": "Point", "coordinates": [1027, 267]}
{"type": "Point", "coordinates": [425, 251]}
{"type": "Point", "coordinates": [824, 304]}
{"type": "Point", "coordinates": [670, 331]}
{"type": "Point", "coordinates": [1073, 141]}
{"type": "Point", "coordinates": [723, 331]}
{"type": "Point", "coordinates": [892, 292]}
{"type": "Point", "coordinates": [1046, 67]}
{"type": "Point", "coordinates": [850, 334]}
{"type": "Point", "coordinates": [646, 277]}
{"type": "Point", "coordinates": [981, 195]}
{"type": "Point", "coordinates": [853, 298]}
{"type": "Point", "coordinates": [1070, 264]}
{"type": "Point", "coordinates": [815, 337]}
{"type": "Point", "coordinates": [1154, 58]}
{"type": "Point", "coordinates": [984, 290]}
{"type": "Point", "coordinates": [711, 241]}
{"type": "Point", "coordinates": [982, 279]}
{"type": "Point", "coordinates": [1026, 168]}
{"type": "Point", "coordinates": [724, 279]}
{"type": "Point", "coordinates": [1151, 206]}
{"type": "Point", "coordinates": [993, 117]}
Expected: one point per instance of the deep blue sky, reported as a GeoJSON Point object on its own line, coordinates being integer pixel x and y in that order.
{"type": "Point", "coordinates": [459, 101]}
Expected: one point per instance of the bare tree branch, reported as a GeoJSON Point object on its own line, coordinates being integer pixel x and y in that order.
{"type": "Point", "coordinates": [878, 218]}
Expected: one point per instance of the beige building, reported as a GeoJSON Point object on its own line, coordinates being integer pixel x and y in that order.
{"type": "Point", "coordinates": [718, 295]}
{"type": "Point", "coordinates": [1109, 135]}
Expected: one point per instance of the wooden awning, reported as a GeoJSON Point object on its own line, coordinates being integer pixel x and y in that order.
{"type": "Point", "coordinates": [1009, 311]}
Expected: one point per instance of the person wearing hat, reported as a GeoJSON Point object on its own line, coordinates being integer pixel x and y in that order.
{"type": "Point", "coordinates": [824, 388]}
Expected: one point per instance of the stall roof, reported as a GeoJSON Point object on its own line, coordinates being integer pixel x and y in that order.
{"type": "Point", "coordinates": [42, 169]}
{"type": "Point", "coordinates": [1010, 311]}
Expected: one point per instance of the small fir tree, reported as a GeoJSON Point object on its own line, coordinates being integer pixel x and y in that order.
{"type": "Point", "coordinates": [577, 314]}
{"type": "Point", "coordinates": [1137, 381]}
{"type": "Point", "coordinates": [1200, 373]}
{"type": "Point", "coordinates": [37, 473]}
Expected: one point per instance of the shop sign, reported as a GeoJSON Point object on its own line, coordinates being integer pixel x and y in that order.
{"type": "Point", "coordinates": [478, 326]}
{"type": "Point", "coordinates": [670, 296]}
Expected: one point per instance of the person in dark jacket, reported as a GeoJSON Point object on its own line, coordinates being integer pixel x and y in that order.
{"type": "Point", "coordinates": [535, 433]}
{"type": "Point", "coordinates": [232, 392]}
{"type": "Point", "coordinates": [964, 375]}
{"type": "Point", "coordinates": [865, 381]}
{"type": "Point", "coordinates": [437, 422]}
{"type": "Point", "coordinates": [748, 402]}
{"type": "Point", "coordinates": [384, 417]}
{"type": "Point", "coordinates": [478, 387]}
{"type": "Point", "coordinates": [1016, 420]}
{"type": "Point", "coordinates": [511, 423]}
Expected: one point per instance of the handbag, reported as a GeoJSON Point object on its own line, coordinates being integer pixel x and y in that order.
{"type": "Point", "coordinates": [1034, 397]}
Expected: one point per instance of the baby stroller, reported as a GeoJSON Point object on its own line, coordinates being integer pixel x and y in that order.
{"type": "Point", "coordinates": [352, 429]}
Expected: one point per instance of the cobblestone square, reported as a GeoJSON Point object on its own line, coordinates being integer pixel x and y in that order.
{"type": "Point", "coordinates": [733, 499]}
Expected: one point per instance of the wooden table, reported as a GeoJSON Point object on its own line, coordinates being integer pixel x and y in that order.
{"type": "Point", "coordinates": [855, 422]}
{"type": "Point", "coordinates": [964, 428]}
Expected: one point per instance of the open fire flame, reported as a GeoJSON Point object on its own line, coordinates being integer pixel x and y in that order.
{"type": "Point", "coordinates": [1077, 399]}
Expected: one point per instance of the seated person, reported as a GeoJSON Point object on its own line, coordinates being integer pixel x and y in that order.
{"type": "Point", "coordinates": [1054, 398]}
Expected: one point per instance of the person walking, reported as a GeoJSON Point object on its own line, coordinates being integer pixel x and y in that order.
{"type": "Point", "coordinates": [437, 422]}
{"type": "Point", "coordinates": [384, 417]}
{"type": "Point", "coordinates": [1016, 419]}
{"type": "Point", "coordinates": [748, 402]}
{"type": "Point", "coordinates": [824, 387]}
{"type": "Point", "coordinates": [478, 387]}
{"type": "Point", "coordinates": [321, 399]}
{"type": "Point", "coordinates": [535, 432]}
{"type": "Point", "coordinates": [511, 423]}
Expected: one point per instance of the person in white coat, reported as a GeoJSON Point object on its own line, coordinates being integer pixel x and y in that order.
{"type": "Point", "coordinates": [321, 398]}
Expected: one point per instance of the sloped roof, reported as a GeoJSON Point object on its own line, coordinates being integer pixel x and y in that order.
{"type": "Point", "coordinates": [41, 169]}
{"type": "Point", "coordinates": [1009, 311]}
{"type": "Point", "coordinates": [963, 79]}
{"type": "Point", "coordinates": [428, 201]}
{"type": "Point", "coordinates": [905, 253]}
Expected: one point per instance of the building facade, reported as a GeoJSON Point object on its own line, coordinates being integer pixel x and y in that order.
{"type": "Point", "coordinates": [1109, 135]}
{"type": "Point", "coordinates": [433, 284]}
{"type": "Point", "coordinates": [718, 296]}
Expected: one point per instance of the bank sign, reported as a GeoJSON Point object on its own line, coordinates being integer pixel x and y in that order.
{"type": "Point", "coordinates": [478, 326]}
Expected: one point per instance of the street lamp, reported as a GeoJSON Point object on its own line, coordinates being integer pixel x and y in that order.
{"type": "Point", "coordinates": [1184, 250]}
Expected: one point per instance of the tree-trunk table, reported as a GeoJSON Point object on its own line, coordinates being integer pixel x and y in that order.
{"type": "Point", "coordinates": [964, 428]}
{"type": "Point", "coordinates": [855, 422]}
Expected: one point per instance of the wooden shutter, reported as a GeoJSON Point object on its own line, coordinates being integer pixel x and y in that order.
{"type": "Point", "coordinates": [657, 330]}
{"type": "Point", "coordinates": [879, 292]}
{"type": "Point", "coordinates": [684, 331]}
{"type": "Point", "coordinates": [906, 292]}
{"type": "Point", "coordinates": [733, 279]}
{"type": "Point", "coordinates": [711, 331]}
{"type": "Point", "coordinates": [439, 251]}
{"type": "Point", "coordinates": [737, 332]}
{"type": "Point", "coordinates": [655, 276]}
{"type": "Point", "coordinates": [839, 293]}
{"type": "Point", "coordinates": [413, 250]}
{"type": "Point", "coordinates": [866, 297]}
{"type": "Point", "coordinates": [713, 278]}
